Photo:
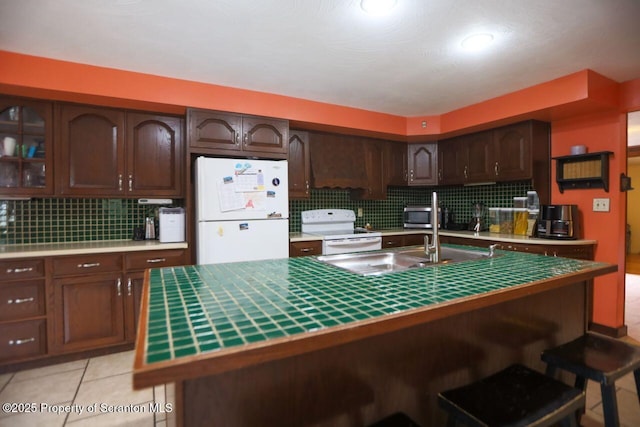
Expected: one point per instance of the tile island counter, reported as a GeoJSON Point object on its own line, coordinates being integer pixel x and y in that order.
{"type": "Point", "coordinates": [295, 342]}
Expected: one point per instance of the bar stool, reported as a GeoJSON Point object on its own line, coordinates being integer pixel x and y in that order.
{"type": "Point", "coordinates": [399, 419]}
{"type": "Point", "coordinates": [514, 397]}
{"type": "Point", "coordinates": [599, 359]}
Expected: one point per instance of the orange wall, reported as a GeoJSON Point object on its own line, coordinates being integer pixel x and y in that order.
{"type": "Point", "coordinates": [583, 107]}
{"type": "Point", "coordinates": [599, 132]}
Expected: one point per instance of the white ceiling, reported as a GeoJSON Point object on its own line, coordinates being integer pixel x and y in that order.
{"type": "Point", "coordinates": [408, 63]}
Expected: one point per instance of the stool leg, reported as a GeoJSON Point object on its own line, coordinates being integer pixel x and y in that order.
{"type": "Point", "coordinates": [569, 421]}
{"type": "Point", "coordinates": [610, 405]}
{"type": "Point", "coordinates": [581, 383]}
{"type": "Point", "coordinates": [636, 375]}
{"type": "Point", "coordinates": [551, 370]}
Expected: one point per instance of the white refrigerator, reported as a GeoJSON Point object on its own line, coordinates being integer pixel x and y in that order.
{"type": "Point", "coordinates": [242, 210]}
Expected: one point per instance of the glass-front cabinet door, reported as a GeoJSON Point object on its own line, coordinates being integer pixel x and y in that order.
{"type": "Point", "coordinates": [25, 148]}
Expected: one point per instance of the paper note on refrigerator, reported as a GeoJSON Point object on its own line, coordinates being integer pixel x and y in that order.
{"type": "Point", "coordinates": [230, 199]}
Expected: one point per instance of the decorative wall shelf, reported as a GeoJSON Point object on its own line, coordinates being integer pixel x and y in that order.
{"type": "Point", "coordinates": [583, 171]}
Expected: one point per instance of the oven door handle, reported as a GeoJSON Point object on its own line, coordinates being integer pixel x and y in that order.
{"type": "Point", "coordinates": [354, 242]}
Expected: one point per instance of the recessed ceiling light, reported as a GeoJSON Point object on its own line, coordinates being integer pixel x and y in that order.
{"type": "Point", "coordinates": [378, 7]}
{"type": "Point", "coordinates": [477, 41]}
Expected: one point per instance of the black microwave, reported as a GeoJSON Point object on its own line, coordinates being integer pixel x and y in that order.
{"type": "Point", "coordinates": [418, 217]}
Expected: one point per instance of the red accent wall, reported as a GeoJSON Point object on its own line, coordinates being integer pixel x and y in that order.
{"type": "Point", "coordinates": [599, 132]}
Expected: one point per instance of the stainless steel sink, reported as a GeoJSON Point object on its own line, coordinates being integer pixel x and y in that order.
{"type": "Point", "coordinates": [449, 255]}
{"type": "Point", "coordinates": [377, 263]}
{"type": "Point", "coordinates": [373, 263]}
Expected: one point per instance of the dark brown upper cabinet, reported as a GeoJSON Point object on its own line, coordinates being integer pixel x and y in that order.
{"type": "Point", "coordinates": [422, 164]}
{"type": "Point", "coordinates": [154, 155]}
{"type": "Point", "coordinates": [26, 139]}
{"type": "Point", "coordinates": [509, 153]}
{"type": "Point", "coordinates": [396, 163]}
{"type": "Point", "coordinates": [337, 161]}
{"type": "Point", "coordinates": [219, 133]}
{"type": "Point", "coordinates": [299, 165]}
{"type": "Point", "coordinates": [376, 169]}
{"type": "Point", "coordinates": [109, 153]}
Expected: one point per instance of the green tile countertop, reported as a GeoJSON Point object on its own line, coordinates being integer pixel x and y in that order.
{"type": "Point", "coordinates": [209, 311]}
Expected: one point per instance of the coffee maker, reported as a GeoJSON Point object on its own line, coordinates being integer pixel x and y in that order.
{"type": "Point", "coordinates": [477, 222]}
{"type": "Point", "coordinates": [559, 222]}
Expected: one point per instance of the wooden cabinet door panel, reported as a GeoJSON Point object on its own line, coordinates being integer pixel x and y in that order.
{"type": "Point", "coordinates": [374, 159]}
{"type": "Point", "coordinates": [154, 155]}
{"type": "Point", "coordinates": [214, 130]}
{"type": "Point", "coordinates": [265, 135]}
{"type": "Point", "coordinates": [299, 165]}
{"type": "Point", "coordinates": [423, 164]}
{"type": "Point", "coordinates": [88, 312]}
{"type": "Point", "coordinates": [91, 151]}
{"type": "Point", "coordinates": [450, 162]}
{"type": "Point", "coordinates": [513, 148]}
{"type": "Point", "coordinates": [479, 157]}
{"type": "Point", "coordinates": [133, 292]}
{"type": "Point", "coordinates": [397, 157]}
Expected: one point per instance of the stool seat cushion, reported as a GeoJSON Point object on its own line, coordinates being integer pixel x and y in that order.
{"type": "Point", "coordinates": [515, 396]}
{"type": "Point", "coordinates": [598, 358]}
{"type": "Point", "coordinates": [399, 419]}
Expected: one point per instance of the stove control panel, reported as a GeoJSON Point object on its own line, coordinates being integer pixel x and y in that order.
{"type": "Point", "coordinates": [323, 216]}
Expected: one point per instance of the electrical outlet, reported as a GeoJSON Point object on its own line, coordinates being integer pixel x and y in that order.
{"type": "Point", "coordinates": [601, 205]}
{"type": "Point", "coordinates": [359, 212]}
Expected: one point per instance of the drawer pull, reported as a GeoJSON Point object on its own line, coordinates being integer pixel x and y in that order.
{"type": "Point", "coordinates": [129, 286]}
{"type": "Point", "coordinates": [119, 287]}
{"type": "Point", "coordinates": [156, 260]}
{"type": "Point", "coordinates": [20, 300]}
{"type": "Point", "coordinates": [19, 270]}
{"type": "Point", "coordinates": [20, 342]}
{"type": "Point", "coordinates": [89, 265]}
{"type": "Point", "coordinates": [306, 249]}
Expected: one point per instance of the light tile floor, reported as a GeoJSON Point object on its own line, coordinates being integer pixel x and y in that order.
{"type": "Point", "coordinates": [106, 381]}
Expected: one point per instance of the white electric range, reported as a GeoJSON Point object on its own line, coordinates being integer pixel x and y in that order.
{"type": "Point", "coordinates": [339, 236]}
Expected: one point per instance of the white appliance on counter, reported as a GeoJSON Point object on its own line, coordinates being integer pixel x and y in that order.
{"type": "Point", "coordinates": [171, 225]}
{"type": "Point", "coordinates": [242, 210]}
{"type": "Point", "coordinates": [339, 236]}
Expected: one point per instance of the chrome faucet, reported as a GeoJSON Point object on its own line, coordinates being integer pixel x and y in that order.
{"type": "Point", "coordinates": [433, 250]}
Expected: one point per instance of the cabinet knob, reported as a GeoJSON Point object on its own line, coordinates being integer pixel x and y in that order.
{"type": "Point", "coordinates": [237, 138]}
{"type": "Point", "coordinates": [20, 342]}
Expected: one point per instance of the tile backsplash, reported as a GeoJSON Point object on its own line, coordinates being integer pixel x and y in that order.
{"type": "Point", "coordinates": [68, 220]}
{"type": "Point", "coordinates": [388, 213]}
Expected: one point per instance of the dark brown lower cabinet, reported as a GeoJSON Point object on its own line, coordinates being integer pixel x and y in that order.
{"type": "Point", "coordinates": [66, 304]}
{"type": "Point", "coordinates": [88, 312]}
